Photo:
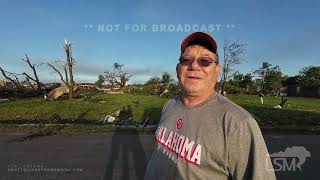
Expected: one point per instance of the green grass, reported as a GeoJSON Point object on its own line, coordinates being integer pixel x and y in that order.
{"type": "Point", "coordinates": [92, 107]}
{"type": "Point", "coordinates": [299, 112]}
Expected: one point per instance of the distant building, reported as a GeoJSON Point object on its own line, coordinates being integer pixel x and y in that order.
{"type": "Point", "coordinates": [294, 88]}
{"type": "Point", "coordinates": [27, 85]}
{"type": "Point", "coordinates": [85, 86]}
{"type": "Point", "coordinates": [6, 84]}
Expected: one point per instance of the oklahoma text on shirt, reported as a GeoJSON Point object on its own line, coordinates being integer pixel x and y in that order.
{"type": "Point", "coordinates": [179, 144]}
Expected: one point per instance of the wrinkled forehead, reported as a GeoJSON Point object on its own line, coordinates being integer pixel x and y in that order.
{"type": "Point", "coordinates": [197, 50]}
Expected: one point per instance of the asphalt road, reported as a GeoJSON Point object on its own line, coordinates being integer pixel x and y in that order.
{"type": "Point", "coordinates": [125, 156]}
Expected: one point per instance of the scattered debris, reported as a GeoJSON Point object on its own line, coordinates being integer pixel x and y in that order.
{"type": "Point", "coordinates": [261, 97]}
{"type": "Point", "coordinates": [281, 105]}
{"type": "Point", "coordinates": [117, 113]}
{"type": "Point", "coordinates": [57, 92]}
{"type": "Point", "coordinates": [55, 118]}
{"type": "Point", "coordinates": [283, 101]}
{"type": "Point", "coordinates": [3, 100]}
{"type": "Point", "coordinates": [41, 132]}
{"type": "Point", "coordinates": [146, 120]}
{"type": "Point", "coordinates": [123, 116]}
{"type": "Point", "coordinates": [115, 92]}
{"type": "Point", "coordinates": [277, 107]}
{"type": "Point", "coordinates": [166, 91]}
{"type": "Point", "coordinates": [109, 119]}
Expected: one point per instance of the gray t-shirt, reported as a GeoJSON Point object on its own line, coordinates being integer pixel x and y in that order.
{"type": "Point", "coordinates": [216, 140]}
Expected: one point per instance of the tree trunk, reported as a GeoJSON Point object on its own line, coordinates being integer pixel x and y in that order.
{"type": "Point", "coordinates": [68, 81]}
{"type": "Point", "coordinates": [70, 63]}
{"type": "Point", "coordinates": [70, 92]}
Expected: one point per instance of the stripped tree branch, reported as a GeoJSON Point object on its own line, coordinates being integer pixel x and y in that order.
{"type": "Point", "coordinates": [35, 79]}
{"type": "Point", "coordinates": [28, 80]}
{"type": "Point", "coordinates": [16, 83]}
{"type": "Point", "coordinates": [58, 72]}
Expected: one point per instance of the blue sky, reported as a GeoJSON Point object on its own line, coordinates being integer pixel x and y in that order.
{"type": "Point", "coordinates": [284, 33]}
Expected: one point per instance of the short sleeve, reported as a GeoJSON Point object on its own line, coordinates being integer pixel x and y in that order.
{"type": "Point", "coordinates": [248, 156]}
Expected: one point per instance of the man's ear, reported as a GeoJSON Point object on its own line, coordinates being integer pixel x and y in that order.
{"type": "Point", "coordinates": [177, 70]}
{"type": "Point", "coordinates": [217, 69]}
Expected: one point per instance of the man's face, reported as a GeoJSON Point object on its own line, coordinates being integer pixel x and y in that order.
{"type": "Point", "coordinates": [194, 79]}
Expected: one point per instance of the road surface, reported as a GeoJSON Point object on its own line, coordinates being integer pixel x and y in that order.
{"type": "Point", "coordinates": [125, 156]}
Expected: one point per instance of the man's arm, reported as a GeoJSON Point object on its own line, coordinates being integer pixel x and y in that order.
{"type": "Point", "coordinates": [248, 154]}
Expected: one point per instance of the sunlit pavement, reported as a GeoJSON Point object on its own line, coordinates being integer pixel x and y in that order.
{"type": "Point", "coordinates": [124, 156]}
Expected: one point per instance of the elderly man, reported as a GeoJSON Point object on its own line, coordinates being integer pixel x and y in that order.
{"type": "Point", "coordinates": [203, 135]}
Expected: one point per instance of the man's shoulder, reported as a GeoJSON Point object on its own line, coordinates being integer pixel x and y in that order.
{"type": "Point", "coordinates": [237, 119]}
{"type": "Point", "coordinates": [171, 102]}
{"type": "Point", "coordinates": [231, 109]}
{"type": "Point", "coordinates": [174, 99]}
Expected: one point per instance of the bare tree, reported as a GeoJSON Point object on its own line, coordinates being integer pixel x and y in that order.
{"type": "Point", "coordinates": [15, 81]}
{"type": "Point", "coordinates": [117, 76]}
{"type": "Point", "coordinates": [30, 84]}
{"type": "Point", "coordinates": [28, 77]}
{"type": "Point", "coordinates": [67, 66]}
{"type": "Point", "coordinates": [233, 51]}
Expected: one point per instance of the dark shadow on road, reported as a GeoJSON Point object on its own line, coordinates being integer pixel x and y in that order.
{"type": "Point", "coordinates": [128, 158]}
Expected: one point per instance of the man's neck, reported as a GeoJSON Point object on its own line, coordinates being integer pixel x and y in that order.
{"type": "Point", "coordinates": [189, 100]}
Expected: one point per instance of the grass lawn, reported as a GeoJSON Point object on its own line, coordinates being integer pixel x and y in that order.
{"type": "Point", "coordinates": [297, 112]}
{"type": "Point", "coordinates": [92, 107]}
{"type": "Point", "coordinates": [95, 106]}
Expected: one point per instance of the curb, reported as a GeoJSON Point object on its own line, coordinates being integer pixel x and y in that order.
{"type": "Point", "coordinates": [74, 128]}
{"type": "Point", "coordinates": [291, 130]}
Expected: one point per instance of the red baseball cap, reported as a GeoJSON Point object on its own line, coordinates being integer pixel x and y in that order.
{"type": "Point", "coordinates": [202, 39]}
